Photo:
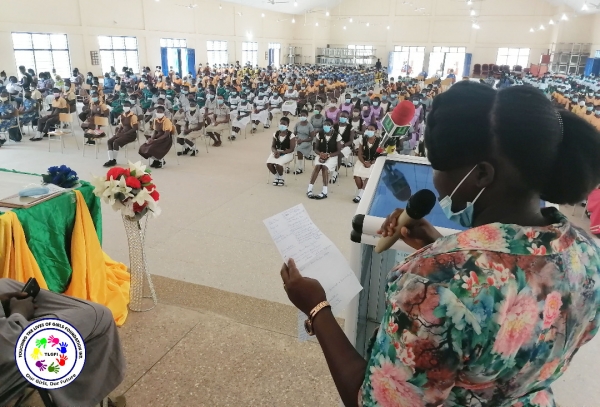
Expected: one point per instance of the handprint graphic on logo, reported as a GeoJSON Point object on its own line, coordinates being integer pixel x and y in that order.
{"type": "Point", "coordinates": [53, 340]}
{"type": "Point", "coordinates": [41, 343]}
{"type": "Point", "coordinates": [36, 354]}
{"type": "Point", "coordinates": [61, 361]}
{"type": "Point", "coordinates": [53, 369]}
{"type": "Point", "coordinates": [41, 365]}
{"type": "Point", "coordinates": [62, 348]}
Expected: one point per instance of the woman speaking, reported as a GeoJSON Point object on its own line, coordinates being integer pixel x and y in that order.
{"type": "Point", "coordinates": [491, 316]}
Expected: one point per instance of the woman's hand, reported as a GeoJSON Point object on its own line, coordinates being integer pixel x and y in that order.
{"type": "Point", "coordinates": [417, 234]}
{"type": "Point", "coordinates": [305, 293]}
{"type": "Point", "coordinates": [24, 307]}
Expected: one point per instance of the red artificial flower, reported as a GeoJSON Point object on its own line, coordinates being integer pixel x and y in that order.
{"type": "Point", "coordinates": [133, 182]}
{"type": "Point", "coordinates": [150, 187]}
{"type": "Point", "coordinates": [155, 195]}
{"type": "Point", "coordinates": [116, 172]}
{"type": "Point", "coordinates": [146, 178]}
{"type": "Point", "coordinates": [138, 208]}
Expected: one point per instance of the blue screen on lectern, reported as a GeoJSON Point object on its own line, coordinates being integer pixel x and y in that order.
{"type": "Point", "coordinates": [405, 179]}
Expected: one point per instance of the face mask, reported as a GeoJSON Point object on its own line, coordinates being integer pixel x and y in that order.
{"type": "Point", "coordinates": [343, 120]}
{"type": "Point", "coordinates": [126, 109]}
{"type": "Point", "coordinates": [184, 92]}
{"type": "Point", "coordinates": [590, 108]}
{"type": "Point", "coordinates": [219, 101]}
{"type": "Point", "coordinates": [416, 102]}
{"type": "Point", "coordinates": [326, 129]}
{"type": "Point", "coordinates": [581, 103]}
{"type": "Point", "coordinates": [283, 127]}
{"type": "Point", "coordinates": [160, 115]}
{"type": "Point", "coordinates": [355, 114]}
{"type": "Point", "coordinates": [316, 111]}
{"type": "Point", "coordinates": [57, 95]}
{"type": "Point", "coordinates": [375, 104]}
{"type": "Point", "coordinates": [384, 98]}
{"type": "Point", "coordinates": [94, 100]}
{"type": "Point", "coordinates": [211, 97]}
{"type": "Point", "coordinates": [303, 118]}
{"type": "Point", "coordinates": [66, 87]}
{"type": "Point", "coordinates": [363, 92]}
{"type": "Point", "coordinates": [192, 109]}
{"type": "Point", "coordinates": [394, 96]}
{"type": "Point", "coordinates": [464, 217]}
{"type": "Point", "coordinates": [354, 95]}
{"type": "Point", "coordinates": [369, 133]}
{"type": "Point", "coordinates": [348, 100]}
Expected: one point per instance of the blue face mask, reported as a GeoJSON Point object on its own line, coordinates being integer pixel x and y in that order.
{"type": "Point", "coordinates": [375, 104]}
{"type": "Point", "coordinates": [326, 129]}
{"type": "Point", "coordinates": [464, 217]}
{"type": "Point", "coordinates": [283, 127]}
{"type": "Point", "coordinates": [348, 100]}
{"type": "Point", "coordinates": [369, 133]}
{"type": "Point", "coordinates": [343, 120]}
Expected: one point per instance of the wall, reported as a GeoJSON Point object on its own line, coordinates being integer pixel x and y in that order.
{"type": "Point", "coordinates": [596, 34]}
{"type": "Point", "coordinates": [504, 23]}
{"type": "Point", "coordinates": [149, 21]}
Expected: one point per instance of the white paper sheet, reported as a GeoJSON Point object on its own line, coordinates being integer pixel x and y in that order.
{"type": "Point", "coordinates": [297, 237]}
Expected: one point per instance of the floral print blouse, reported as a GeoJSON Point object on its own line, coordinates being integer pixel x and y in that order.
{"type": "Point", "coordinates": [487, 317]}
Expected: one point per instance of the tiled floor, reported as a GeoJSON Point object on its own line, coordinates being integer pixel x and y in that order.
{"type": "Point", "coordinates": [224, 332]}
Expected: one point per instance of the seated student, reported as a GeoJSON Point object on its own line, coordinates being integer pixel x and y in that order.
{"type": "Point", "coordinates": [595, 120]}
{"type": "Point", "coordinates": [275, 104]}
{"type": "Point", "coordinates": [317, 119]}
{"type": "Point", "coordinates": [136, 109]}
{"type": "Point", "coordinates": [282, 151]}
{"type": "Point", "coordinates": [8, 120]}
{"type": "Point", "coordinates": [332, 111]}
{"type": "Point", "coordinates": [305, 133]}
{"type": "Point", "coordinates": [344, 129]}
{"type": "Point", "coordinates": [385, 102]}
{"type": "Point", "coordinates": [70, 95]}
{"type": "Point", "coordinates": [347, 105]}
{"type": "Point", "coordinates": [367, 154]}
{"type": "Point", "coordinates": [211, 102]}
{"type": "Point", "coordinates": [219, 122]}
{"type": "Point", "coordinates": [95, 109]}
{"type": "Point", "coordinates": [290, 105]}
{"type": "Point", "coordinates": [194, 122]}
{"type": "Point", "coordinates": [30, 111]}
{"type": "Point", "coordinates": [261, 111]}
{"type": "Point", "coordinates": [367, 116]}
{"type": "Point", "coordinates": [125, 133]}
{"type": "Point", "coordinates": [327, 147]}
{"type": "Point", "coordinates": [59, 105]}
{"type": "Point", "coordinates": [579, 108]}
{"type": "Point", "coordinates": [241, 116]}
{"type": "Point", "coordinates": [105, 363]}
{"type": "Point", "coordinates": [377, 112]}
{"type": "Point", "coordinates": [356, 121]}
{"type": "Point", "coordinates": [589, 112]}
{"type": "Point", "coordinates": [158, 144]}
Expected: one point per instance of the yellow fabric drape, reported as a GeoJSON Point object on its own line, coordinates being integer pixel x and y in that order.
{"type": "Point", "coordinates": [16, 260]}
{"type": "Point", "coordinates": [96, 277]}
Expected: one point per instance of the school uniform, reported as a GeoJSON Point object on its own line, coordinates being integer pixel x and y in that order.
{"type": "Point", "coordinates": [221, 112]}
{"type": "Point", "coordinates": [242, 117]}
{"type": "Point", "coordinates": [126, 133]}
{"type": "Point", "coordinates": [261, 112]}
{"type": "Point", "coordinates": [161, 140]}
{"type": "Point", "coordinates": [328, 145]}
{"type": "Point", "coordinates": [579, 110]}
{"type": "Point", "coordinates": [282, 142]}
{"type": "Point", "coordinates": [45, 122]}
{"type": "Point", "coordinates": [345, 131]}
{"type": "Point", "coordinates": [290, 105]}
{"type": "Point", "coordinates": [276, 101]}
{"type": "Point", "coordinates": [369, 154]}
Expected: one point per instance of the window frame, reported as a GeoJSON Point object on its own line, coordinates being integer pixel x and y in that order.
{"type": "Point", "coordinates": [136, 68]}
{"type": "Point", "coordinates": [173, 43]}
{"type": "Point", "coordinates": [219, 53]}
{"type": "Point", "coordinates": [33, 50]}
{"type": "Point", "coordinates": [516, 53]}
{"type": "Point", "coordinates": [250, 53]}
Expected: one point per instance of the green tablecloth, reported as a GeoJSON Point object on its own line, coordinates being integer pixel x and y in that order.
{"type": "Point", "coordinates": [48, 228]}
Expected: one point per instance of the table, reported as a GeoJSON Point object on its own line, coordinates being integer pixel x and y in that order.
{"type": "Point", "coordinates": [63, 236]}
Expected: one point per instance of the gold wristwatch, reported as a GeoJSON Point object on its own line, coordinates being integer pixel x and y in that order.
{"type": "Point", "coordinates": [309, 321]}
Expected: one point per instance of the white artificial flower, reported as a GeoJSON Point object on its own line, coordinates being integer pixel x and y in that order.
{"type": "Point", "coordinates": [127, 210]}
{"type": "Point", "coordinates": [112, 186]}
{"type": "Point", "coordinates": [99, 184]}
{"type": "Point", "coordinates": [137, 168]}
{"type": "Point", "coordinates": [142, 197]}
{"type": "Point", "coordinates": [153, 208]}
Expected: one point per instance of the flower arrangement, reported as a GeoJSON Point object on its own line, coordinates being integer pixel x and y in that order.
{"type": "Point", "coordinates": [62, 176]}
{"type": "Point", "coordinates": [129, 190]}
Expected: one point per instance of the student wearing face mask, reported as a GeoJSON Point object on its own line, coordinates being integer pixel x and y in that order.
{"type": "Point", "coordinates": [347, 104]}
{"type": "Point", "coordinates": [366, 115]}
{"type": "Point", "coordinates": [282, 151]}
{"type": "Point", "coordinates": [125, 133]}
{"type": "Point", "coordinates": [327, 147]}
{"type": "Point", "coordinates": [241, 117]}
{"type": "Point", "coordinates": [494, 155]}
{"type": "Point", "coordinates": [344, 129]}
{"type": "Point", "coordinates": [159, 143]}
{"type": "Point", "coordinates": [377, 112]}
{"type": "Point", "coordinates": [69, 93]}
{"type": "Point", "coordinates": [194, 122]}
{"type": "Point", "coordinates": [275, 104]}
{"type": "Point", "coordinates": [8, 120]}
{"type": "Point", "coordinates": [59, 105]}
{"type": "Point", "coordinates": [332, 111]}
{"type": "Point", "coordinates": [579, 108]}
{"type": "Point", "coordinates": [317, 120]}
{"type": "Point", "coordinates": [356, 123]}
{"type": "Point", "coordinates": [96, 108]}
{"type": "Point", "coordinates": [305, 133]}
{"type": "Point", "coordinates": [219, 122]}
{"type": "Point", "coordinates": [366, 156]}
{"type": "Point", "coordinates": [30, 111]}
{"type": "Point", "coordinates": [363, 97]}
{"type": "Point", "coordinates": [290, 105]}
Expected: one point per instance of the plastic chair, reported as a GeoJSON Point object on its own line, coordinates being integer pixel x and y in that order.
{"type": "Point", "coordinates": [477, 70]}
{"type": "Point", "coordinates": [485, 70]}
{"type": "Point", "coordinates": [101, 122]}
{"type": "Point", "coordinates": [64, 118]}
{"type": "Point", "coordinates": [285, 167]}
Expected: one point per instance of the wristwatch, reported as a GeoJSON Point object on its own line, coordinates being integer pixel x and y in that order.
{"type": "Point", "coordinates": [309, 321]}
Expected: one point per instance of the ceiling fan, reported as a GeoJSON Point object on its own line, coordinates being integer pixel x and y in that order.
{"type": "Point", "coordinates": [273, 2]}
{"type": "Point", "coordinates": [190, 6]}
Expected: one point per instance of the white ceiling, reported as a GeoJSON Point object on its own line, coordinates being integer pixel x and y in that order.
{"type": "Point", "coordinates": [287, 6]}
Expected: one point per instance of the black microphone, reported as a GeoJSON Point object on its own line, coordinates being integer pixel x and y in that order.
{"type": "Point", "coordinates": [418, 206]}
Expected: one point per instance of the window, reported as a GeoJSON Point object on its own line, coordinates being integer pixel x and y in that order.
{"type": "Point", "coordinates": [361, 52]}
{"type": "Point", "coordinates": [119, 52]}
{"type": "Point", "coordinates": [250, 53]}
{"type": "Point", "coordinates": [274, 54]}
{"type": "Point", "coordinates": [43, 52]}
{"type": "Point", "coordinates": [217, 52]}
{"type": "Point", "coordinates": [173, 43]}
{"type": "Point", "coordinates": [513, 56]}
{"type": "Point", "coordinates": [408, 61]}
{"type": "Point", "coordinates": [450, 49]}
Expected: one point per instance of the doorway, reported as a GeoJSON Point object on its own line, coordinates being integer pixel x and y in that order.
{"type": "Point", "coordinates": [443, 60]}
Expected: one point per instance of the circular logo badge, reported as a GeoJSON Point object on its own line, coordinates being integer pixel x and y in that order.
{"type": "Point", "coordinates": [50, 353]}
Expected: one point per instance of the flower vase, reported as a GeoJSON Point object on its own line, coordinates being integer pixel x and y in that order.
{"type": "Point", "coordinates": [138, 267]}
